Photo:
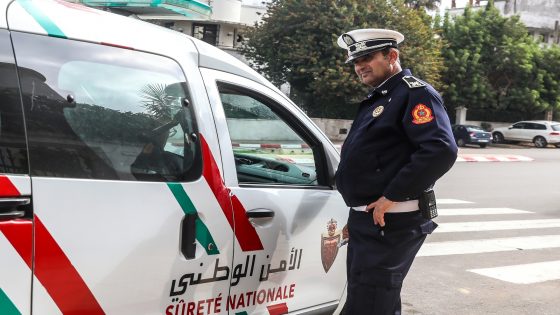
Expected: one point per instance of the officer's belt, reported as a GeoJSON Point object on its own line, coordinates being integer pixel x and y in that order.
{"type": "Point", "coordinates": [405, 206]}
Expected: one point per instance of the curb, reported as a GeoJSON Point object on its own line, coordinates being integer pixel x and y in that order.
{"type": "Point", "coordinates": [460, 158]}
{"type": "Point", "coordinates": [270, 146]}
{"type": "Point", "coordinates": [492, 158]}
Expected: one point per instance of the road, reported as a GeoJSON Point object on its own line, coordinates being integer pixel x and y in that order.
{"type": "Point", "coordinates": [497, 247]}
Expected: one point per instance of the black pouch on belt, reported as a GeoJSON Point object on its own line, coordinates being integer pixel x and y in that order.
{"type": "Point", "coordinates": [427, 204]}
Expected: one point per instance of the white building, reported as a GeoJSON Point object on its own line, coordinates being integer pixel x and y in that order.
{"type": "Point", "coordinates": [540, 16]}
{"type": "Point", "coordinates": [217, 22]}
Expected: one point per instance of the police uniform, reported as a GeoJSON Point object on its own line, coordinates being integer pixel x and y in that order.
{"type": "Point", "coordinates": [400, 143]}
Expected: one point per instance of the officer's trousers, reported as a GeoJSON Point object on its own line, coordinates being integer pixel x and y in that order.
{"type": "Point", "coordinates": [379, 259]}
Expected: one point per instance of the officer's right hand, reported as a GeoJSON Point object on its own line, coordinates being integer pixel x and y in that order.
{"type": "Point", "coordinates": [380, 206]}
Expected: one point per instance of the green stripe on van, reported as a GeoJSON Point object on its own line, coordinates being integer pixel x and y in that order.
{"type": "Point", "coordinates": [46, 23]}
{"type": "Point", "coordinates": [6, 306]}
{"type": "Point", "coordinates": [203, 235]}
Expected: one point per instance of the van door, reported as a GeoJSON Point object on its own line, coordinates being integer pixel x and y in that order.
{"type": "Point", "coordinates": [130, 214]}
{"type": "Point", "coordinates": [15, 192]}
{"type": "Point", "coordinates": [289, 219]}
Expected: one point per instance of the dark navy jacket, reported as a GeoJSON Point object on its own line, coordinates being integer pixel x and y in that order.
{"type": "Point", "coordinates": [401, 152]}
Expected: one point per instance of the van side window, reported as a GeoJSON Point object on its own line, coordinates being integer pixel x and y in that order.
{"type": "Point", "coordinates": [13, 151]}
{"type": "Point", "coordinates": [267, 150]}
{"type": "Point", "coordinates": [102, 112]}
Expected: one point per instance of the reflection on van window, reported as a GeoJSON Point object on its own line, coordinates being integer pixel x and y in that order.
{"type": "Point", "coordinates": [266, 149]}
{"type": "Point", "coordinates": [105, 113]}
{"type": "Point", "coordinates": [13, 151]}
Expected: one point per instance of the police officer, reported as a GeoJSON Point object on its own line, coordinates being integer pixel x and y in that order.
{"type": "Point", "coordinates": [400, 143]}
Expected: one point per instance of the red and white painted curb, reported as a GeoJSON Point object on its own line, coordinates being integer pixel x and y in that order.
{"type": "Point", "coordinates": [460, 158]}
{"type": "Point", "coordinates": [492, 158]}
{"type": "Point", "coordinates": [270, 146]}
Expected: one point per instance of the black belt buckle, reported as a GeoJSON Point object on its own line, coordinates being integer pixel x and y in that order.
{"type": "Point", "coordinates": [427, 204]}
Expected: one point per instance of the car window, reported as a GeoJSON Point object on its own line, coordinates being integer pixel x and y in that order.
{"type": "Point", "coordinates": [539, 127]}
{"type": "Point", "coordinates": [103, 112]}
{"type": "Point", "coordinates": [266, 148]}
{"type": "Point", "coordinates": [518, 126]}
{"type": "Point", "coordinates": [530, 126]}
{"type": "Point", "coordinates": [13, 150]}
{"type": "Point", "coordinates": [474, 128]}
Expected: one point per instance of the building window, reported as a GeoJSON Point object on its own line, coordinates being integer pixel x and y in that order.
{"type": "Point", "coordinates": [206, 32]}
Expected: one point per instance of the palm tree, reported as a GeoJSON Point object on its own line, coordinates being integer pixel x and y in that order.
{"type": "Point", "coordinates": [158, 102]}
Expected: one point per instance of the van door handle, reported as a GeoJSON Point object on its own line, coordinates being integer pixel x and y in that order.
{"type": "Point", "coordinates": [12, 215]}
{"type": "Point", "coordinates": [9, 208]}
{"type": "Point", "coordinates": [9, 204]}
{"type": "Point", "coordinates": [259, 213]}
{"type": "Point", "coordinates": [188, 236]}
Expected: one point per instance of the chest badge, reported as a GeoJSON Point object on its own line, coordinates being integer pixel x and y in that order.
{"type": "Point", "coordinates": [377, 111]}
{"type": "Point", "coordinates": [422, 114]}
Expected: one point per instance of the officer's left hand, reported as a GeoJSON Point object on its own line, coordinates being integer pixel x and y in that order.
{"type": "Point", "coordinates": [380, 206]}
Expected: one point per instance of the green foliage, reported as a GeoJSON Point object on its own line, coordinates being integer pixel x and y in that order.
{"type": "Point", "coordinates": [158, 102]}
{"type": "Point", "coordinates": [548, 64]}
{"type": "Point", "coordinates": [296, 43]}
{"type": "Point", "coordinates": [98, 123]}
{"type": "Point", "coordinates": [494, 66]}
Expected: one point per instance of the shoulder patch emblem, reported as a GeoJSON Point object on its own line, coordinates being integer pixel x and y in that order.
{"type": "Point", "coordinates": [421, 114]}
{"type": "Point", "coordinates": [412, 82]}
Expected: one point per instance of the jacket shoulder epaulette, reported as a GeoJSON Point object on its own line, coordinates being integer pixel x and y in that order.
{"type": "Point", "coordinates": [413, 82]}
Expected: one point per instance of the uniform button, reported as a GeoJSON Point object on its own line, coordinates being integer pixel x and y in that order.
{"type": "Point", "coordinates": [378, 170]}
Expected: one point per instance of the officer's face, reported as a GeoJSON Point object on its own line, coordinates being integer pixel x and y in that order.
{"type": "Point", "coordinates": [373, 69]}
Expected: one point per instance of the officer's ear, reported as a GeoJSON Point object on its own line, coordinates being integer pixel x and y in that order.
{"type": "Point", "coordinates": [393, 56]}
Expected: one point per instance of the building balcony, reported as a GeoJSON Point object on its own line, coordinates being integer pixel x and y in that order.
{"type": "Point", "coordinates": [191, 9]}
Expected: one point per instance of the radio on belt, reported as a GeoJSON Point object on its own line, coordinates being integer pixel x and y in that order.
{"type": "Point", "coordinates": [427, 204]}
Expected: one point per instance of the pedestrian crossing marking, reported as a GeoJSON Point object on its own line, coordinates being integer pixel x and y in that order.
{"type": "Point", "coordinates": [480, 211]}
{"type": "Point", "coordinates": [497, 225]}
{"type": "Point", "coordinates": [488, 245]}
{"type": "Point", "coordinates": [519, 274]}
{"type": "Point", "coordinates": [524, 274]}
{"type": "Point", "coordinates": [452, 201]}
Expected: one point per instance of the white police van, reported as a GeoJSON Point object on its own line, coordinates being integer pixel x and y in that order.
{"type": "Point", "coordinates": [145, 172]}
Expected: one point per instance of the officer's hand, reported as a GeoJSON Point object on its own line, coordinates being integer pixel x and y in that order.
{"type": "Point", "coordinates": [345, 234]}
{"type": "Point", "coordinates": [380, 206]}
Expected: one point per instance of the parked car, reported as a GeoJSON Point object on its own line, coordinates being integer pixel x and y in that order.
{"type": "Point", "coordinates": [469, 134]}
{"type": "Point", "coordinates": [540, 132]}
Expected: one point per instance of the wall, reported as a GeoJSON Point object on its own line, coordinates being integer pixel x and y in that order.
{"type": "Point", "coordinates": [492, 123]}
{"type": "Point", "coordinates": [332, 127]}
{"type": "Point", "coordinates": [226, 10]}
{"type": "Point", "coordinates": [244, 130]}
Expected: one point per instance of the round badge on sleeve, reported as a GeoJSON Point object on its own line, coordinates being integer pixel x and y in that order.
{"type": "Point", "coordinates": [377, 111]}
{"type": "Point", "coordinates": [422, 114]}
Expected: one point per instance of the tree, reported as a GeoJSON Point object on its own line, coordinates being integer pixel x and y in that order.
{"type": "Point", "coordinates": [296, 43]}
{"type": "Point", "coordinates": [548, 64]}
{"type": "Point", "coordinates": [491, 65]}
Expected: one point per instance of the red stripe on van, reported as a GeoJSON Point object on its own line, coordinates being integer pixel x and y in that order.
{"type": "Point", "coordinates": [60, 278]}
{"type": "Point", "coordinates": [277, 309]}
{"type": "Point", "coordinates": [19, 233]}
{"type": "Point", "coordinates": [244, 231]}
{"type": "Point", "coordinates": [7, 189]}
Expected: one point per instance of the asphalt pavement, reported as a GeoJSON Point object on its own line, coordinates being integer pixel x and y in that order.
{"type": "Point", "coordinates": [497, 247]}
